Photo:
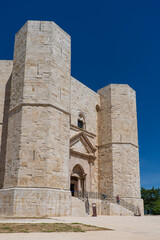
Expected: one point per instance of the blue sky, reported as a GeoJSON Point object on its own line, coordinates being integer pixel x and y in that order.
{"type": "Point", "coordinates": [112, 42]}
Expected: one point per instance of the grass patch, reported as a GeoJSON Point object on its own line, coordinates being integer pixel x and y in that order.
{"type": "Point", "coordinates": [47, 227]}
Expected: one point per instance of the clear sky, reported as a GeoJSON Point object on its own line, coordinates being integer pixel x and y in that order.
{"type": "Point", "coordinates": [113, 41]}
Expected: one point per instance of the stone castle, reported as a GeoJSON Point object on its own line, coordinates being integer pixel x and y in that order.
{"type": "Point", "coordinates": [59, 138]}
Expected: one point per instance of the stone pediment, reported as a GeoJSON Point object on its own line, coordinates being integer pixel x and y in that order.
{"type": "Point", "coordinates": [80, 145]}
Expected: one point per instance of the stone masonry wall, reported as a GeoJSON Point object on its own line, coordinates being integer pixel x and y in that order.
{"type": "Point", "coordinates": [118, 144]}
{"type": "Point", "coordinates": [104, 143]}
{"type": "Point", "coordinates": [15, 114]}
{"type": "Point", "coordinates": [34, 202]}
{"type": "Point", "coordinates": [105, 170]}
{"type": "Point", "coordinates": [126, 171]}
{"type": "Point", "coordinates": [125, 142]}
{"type": "Point", "coordinates": [124, 115]}
{"type": "Point", "coordinates": [5, 73]}
{"type": "Point", "coordinates": [5, 82]}
{"type": "Point", "coordinates": [85, 100]}
{"type": "Point", "coordinates": [38, 141]}
{"type": "Point", "coordinates": [12, 162]}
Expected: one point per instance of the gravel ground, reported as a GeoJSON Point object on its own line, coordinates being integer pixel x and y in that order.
{"type": "Point", "coordinates": [125, 228]}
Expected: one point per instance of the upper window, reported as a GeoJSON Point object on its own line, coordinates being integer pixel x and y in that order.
{"type": "Point", "coordinates": [81, 121]}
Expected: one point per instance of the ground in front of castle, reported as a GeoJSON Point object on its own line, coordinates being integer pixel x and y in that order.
{"type": "Point", "coordinates": [125, 227]}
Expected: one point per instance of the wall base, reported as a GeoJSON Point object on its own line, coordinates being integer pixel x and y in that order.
{"type": "Point", "coordinates": [34, 202]}
{"type": "Point", "coordinates": [44, 202]}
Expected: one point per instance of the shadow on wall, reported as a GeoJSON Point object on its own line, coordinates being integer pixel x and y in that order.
{"type": "Point", "coordinates": [5, 130]}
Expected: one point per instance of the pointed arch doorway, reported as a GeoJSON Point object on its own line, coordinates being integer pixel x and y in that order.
{"type": "Point", "coordinates": [78, 180]}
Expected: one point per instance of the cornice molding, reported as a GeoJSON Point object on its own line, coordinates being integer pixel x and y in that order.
{"type": "Point", "coordinates": [85, 141]}
{"type": "Point", "coordinates": [77, 129]}
{"type": "Point", "coordinates": [82, 155]}
{"type": "Point", "coordinates": [105, 145]}
{"type": "Point", "coordinates": [37, 105]}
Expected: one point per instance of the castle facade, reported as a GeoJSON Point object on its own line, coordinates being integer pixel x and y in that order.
{"type": "Point", "coordinates": [59, 138]}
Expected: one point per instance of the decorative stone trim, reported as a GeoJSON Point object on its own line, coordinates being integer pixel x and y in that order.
{"type": "Point", "coordinates": [38, 105]}
{"type": "Point", "coordinates": [81, 136]}
{"type": "Point", "coordinates": [82, 155]}
{"type": "Point", "coordinates": [77, 129]}
{"type": "Point", "coordinates": [34, 188]}
{"type": "Point", "coordinates": [105, 145]}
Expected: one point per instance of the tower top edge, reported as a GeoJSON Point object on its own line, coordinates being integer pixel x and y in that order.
{"type": "Point", "coordinates": [113, 85]}
{"type": "Point", "coordinates": [35, 22]}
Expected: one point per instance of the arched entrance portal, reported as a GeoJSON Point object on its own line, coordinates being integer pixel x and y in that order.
{"type": "Point", "coordinates": [78, 178]}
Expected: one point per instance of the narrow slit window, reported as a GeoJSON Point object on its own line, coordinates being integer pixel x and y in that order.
{"type": "Point", "coordinates": [34, 154]}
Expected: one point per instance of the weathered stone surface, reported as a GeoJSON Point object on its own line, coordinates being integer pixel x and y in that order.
{"type": "Point", "coordinates": [115, 210]}
{"type": "Point", "coordinates": [34, 202]}
{"type": "Point", "coordinates": [5, 87]}
{"type": "Point", "coordinates": [57, 134]}
{"type": "Point", "coordinates": [118, 143]}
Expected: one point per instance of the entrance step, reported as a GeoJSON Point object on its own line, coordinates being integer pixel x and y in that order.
{"type": "Point", "coordinates": [78, 208]}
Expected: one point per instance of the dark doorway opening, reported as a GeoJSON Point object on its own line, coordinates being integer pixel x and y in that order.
{"type": "Point", "coordinates": [74, 185]}
{"type": "Point", "coordinates": [72, 189]}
